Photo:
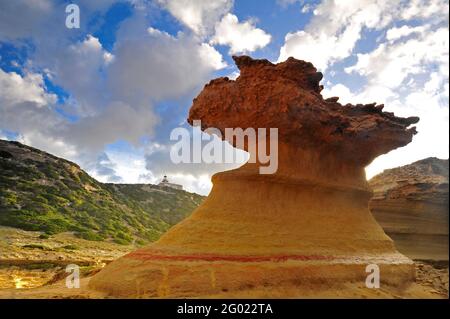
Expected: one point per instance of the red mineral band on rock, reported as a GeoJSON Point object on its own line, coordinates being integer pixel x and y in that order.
{"type": "Point", "coordinates": [205, 257]}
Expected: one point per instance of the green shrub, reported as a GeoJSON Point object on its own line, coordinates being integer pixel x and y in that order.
{"type": "Point", "coordinates": [89, 235]}
{"type": "Point", "coordinates": [140, 242]}
{"type": "Point", "coordinates": [36, 246]}
{"type": "Point", "coordinates": [121, 241]}
{"type": "Point", "coordinates": [117, 212]}
{"type": "Point", "coordinates": [70, 247]}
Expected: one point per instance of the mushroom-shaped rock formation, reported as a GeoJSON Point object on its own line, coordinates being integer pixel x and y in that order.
{"type": "Point", "coordinates": [307, 225]}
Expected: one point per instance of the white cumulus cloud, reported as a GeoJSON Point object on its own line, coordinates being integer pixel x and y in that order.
{"type": "Point", "coordinates": [157, 65]}
{"type": "Point", "coordinates": [337, 26]}
{"type": "Point", "coordinates": [404, 31]}
{"type": "Point", "coordinates": [198, 15]}
{"type": "Point", "coordinates": [241, 37]}
{"type": "Point", "coordinates": [391, 63]}
{"type": "Point", "coordinates": [19, 89]}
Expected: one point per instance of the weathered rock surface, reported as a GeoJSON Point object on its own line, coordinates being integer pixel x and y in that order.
{"type": "Point", "coordinates": [308, 225]}
{"type": "Point", "coordinates": [411, 204]}
{"type": "Point", "coordinates": [287, 96]}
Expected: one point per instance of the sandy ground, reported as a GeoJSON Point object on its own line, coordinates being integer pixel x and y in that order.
{"type": "Point", "coordinates": [432, 282]}
{"type": "Point", "coordinates": [28, 261]}
{"type": "Point", "coordinates": [25, 247]}
{"type": "Point", "coordinates": [38, 271]}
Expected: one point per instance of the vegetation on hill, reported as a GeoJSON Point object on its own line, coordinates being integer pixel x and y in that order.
{"type": "Point", "coordinates": [41, 192]}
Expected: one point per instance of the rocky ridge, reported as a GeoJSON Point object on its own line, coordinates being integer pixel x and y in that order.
{"type": "Point", "coordinates": [41, 192]}
{"type": "Point", "coordinates": [411, 203]}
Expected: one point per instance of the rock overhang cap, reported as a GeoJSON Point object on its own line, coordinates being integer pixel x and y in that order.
{"type": "Point", "coordinates": [287, 96]}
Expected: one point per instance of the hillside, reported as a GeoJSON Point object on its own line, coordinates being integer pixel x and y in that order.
{"type": "Point", "coordinates": [41, 192]}
{"type": "Point", "coordinates": [411, 204]}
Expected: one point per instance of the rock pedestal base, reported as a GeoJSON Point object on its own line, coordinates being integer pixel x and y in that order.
{"type": "Point", "coordinates": [262, 231]}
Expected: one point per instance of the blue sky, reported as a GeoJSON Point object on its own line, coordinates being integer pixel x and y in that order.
{"type": "Point", "coordinates": [108, 94]}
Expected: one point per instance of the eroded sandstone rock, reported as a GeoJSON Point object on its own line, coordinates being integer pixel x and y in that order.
{"type": "Point", "coordinates": [307, 225]}
{"type": "Point", "coordinates": [411, 204]}
{"type": "Point", "coordinates": [287, 96]}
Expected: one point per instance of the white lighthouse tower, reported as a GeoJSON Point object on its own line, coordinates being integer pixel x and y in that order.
{"type": "Point", "coordinates": [165, 183]}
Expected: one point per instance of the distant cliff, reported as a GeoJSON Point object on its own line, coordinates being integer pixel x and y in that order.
{"type": "Point", "coordinates": [41, 192]}
{"type": "Point", "coordinates": [411, 203]}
